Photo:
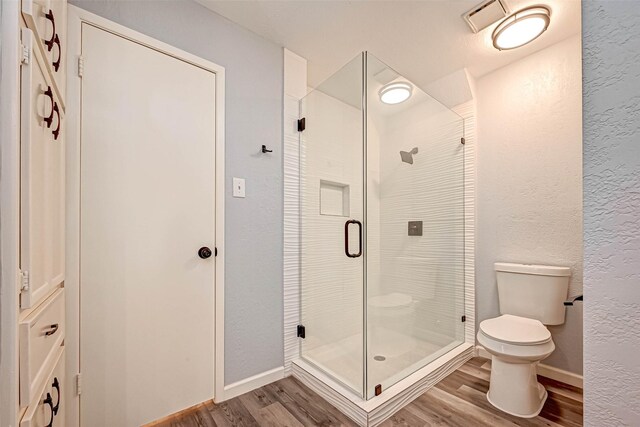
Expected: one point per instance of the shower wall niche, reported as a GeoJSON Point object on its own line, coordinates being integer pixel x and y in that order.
{"type": "Point", "coordinates": [379, 302]}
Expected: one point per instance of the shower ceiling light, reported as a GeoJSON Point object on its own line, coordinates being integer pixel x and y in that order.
{"type": "Point", "coordinates": [395, 93]}
{"type": "Point", "coordinates": [521, 28]}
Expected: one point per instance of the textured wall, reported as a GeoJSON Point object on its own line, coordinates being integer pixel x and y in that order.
{"type": "Point", "coordinates": [253, 283]}
{"type": "Point", "coordinates": [529, 193]}
{"type": "Point", "coordinates": [611, 51]}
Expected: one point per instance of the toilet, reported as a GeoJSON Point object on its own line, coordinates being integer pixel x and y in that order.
{"type": "Point", "coordinates": [392, 318]}
{"type": "Point", "coordinates": [530, 297]}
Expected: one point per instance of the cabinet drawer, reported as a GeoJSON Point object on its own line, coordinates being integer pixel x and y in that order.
{"type": "Point", "coordinates": [42, 180]}
{"type": "Point", "coordinates": [41, 335]}
{"type": "Point", "coordinates": [47, 407]}
{"type": "Point", "coordinates": [48, 20]}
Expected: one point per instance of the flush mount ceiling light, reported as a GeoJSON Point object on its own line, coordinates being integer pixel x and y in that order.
{"type": "Point", "coordinates": [395, 93]}
{"type": "Point", "coordinates": [521, 28]}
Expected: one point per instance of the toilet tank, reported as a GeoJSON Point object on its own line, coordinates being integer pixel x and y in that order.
{"type": "Point", "coordinates": [533, 291]}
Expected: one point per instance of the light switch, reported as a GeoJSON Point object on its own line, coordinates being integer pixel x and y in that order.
{"type": "Point", "coordinates": [238, 187]}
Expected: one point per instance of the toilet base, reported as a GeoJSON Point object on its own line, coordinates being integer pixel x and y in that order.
{"type": "Point", "coordinates": [514, 388]}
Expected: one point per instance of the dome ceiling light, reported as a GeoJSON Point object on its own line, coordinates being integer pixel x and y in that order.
{"type": "Point", "coordinates": [521, 28]}
{"type": "Point", "coordinates": [395, 93]}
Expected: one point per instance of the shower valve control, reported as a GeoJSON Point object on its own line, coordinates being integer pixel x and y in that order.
{"type": "Point", "coordinates": [415, 228]}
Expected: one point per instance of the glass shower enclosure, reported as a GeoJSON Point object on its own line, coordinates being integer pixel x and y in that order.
{"type": "Point", "coordinates": [382, 228]}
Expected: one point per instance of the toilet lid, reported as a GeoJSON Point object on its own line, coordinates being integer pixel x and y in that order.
{"type": "Point", "coordinates": [394, 299]}
{"type": "Point", "coordinates": [515, 330]}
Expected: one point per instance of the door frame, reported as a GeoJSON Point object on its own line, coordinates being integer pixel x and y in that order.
{"type": "Point", "coordinates": [76, 17]}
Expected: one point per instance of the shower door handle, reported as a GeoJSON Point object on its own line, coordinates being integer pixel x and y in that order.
{"type": "Point", "coordinates": [346, 238]}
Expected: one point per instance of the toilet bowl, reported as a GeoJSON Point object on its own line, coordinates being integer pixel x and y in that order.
{"type": "Point", "coordinates": [391, 320]}
{"type": "Point", "coordinates": [517, 344]}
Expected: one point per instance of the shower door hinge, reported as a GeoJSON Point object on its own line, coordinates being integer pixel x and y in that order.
{"type": "Point", "coordinates": [80, 66]}
{"type": "Point", "coordinates": [463, 319]}
{"type": "Point", "coordinates": [301, 332]}
{"type": "Point", "coordinates": [302, 124]}
{"type": "Point", "coordinates": [26, 55]}
{"type": "Point", "coordinates": [78, 384]}
{"type": "Point", "coordinates": [24, 281]}
{"type": "Point", "coordinates": [462, 141]}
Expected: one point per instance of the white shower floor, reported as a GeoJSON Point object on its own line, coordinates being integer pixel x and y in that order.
{"type": "Point", "coordinates": [402, 354]}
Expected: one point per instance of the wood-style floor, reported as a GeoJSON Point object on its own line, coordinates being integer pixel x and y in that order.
{"type": "Point", "coordinates": [458, 400]}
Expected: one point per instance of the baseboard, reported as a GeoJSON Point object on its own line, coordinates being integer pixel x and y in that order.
{"type": "Point", "coordinates": [546, 371]}
{"type": "Point", "coordinates": [166, 420]}
{"type": "Point", "coordinates": [481, 352]}
{"type": "Point", "coordinates": [249, 384]}
{"type": "Point", "coordinates": [560, 375]}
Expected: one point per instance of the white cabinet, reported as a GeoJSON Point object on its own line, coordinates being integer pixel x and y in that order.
{"type": "Point", "coordinates": [47, 407]}
{"type": "Point", "coordinates": [41, 335]}
{"type": "Point", "coordinates": [42, 212]}
{"type": "Point", "coordinates": [42, 178]}
{"type": "Point", "coordinates": [48, 21]}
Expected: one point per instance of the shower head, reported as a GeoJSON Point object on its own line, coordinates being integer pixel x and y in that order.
{"type": "Point", "coordinates": [407, 156]}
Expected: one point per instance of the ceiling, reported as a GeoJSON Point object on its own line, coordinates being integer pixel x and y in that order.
{"type": "Point", "coordinates": [423, 40]}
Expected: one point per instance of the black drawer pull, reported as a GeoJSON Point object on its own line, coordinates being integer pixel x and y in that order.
{"type": "Point", "coordinates": [49, 401]}
{"type": "Point", "coordinates": [56, 385]}
{"type": "Point", "coordinates": [56, 63]}
{"type": "Point", "coordinates": [52, 330]}
{"type": "Point", "coordinates": [49, 43]}
{"type": "Point", "coordinates": [49, 93]}
{"type": "Point", "coordinates": [56, 131]}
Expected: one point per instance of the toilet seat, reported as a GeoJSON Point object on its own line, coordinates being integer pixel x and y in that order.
{"type": "Point", "coordinates": [392, 300]}
{"type": "Point", "coordinates": [515, 330]}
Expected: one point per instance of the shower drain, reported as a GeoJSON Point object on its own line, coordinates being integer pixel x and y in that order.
{"type": "Point", "coordinates": [379, 358]}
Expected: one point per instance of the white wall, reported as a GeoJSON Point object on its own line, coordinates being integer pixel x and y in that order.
{"type": "Point", "coordinates": [529, 170]}
{"type": "Point", "coordinates": [611, 49]}
{"type": "Point", "coordinates": [253, 228]}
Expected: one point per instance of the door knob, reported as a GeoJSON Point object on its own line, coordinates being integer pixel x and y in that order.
{"type": "Point", "coordinates": [204, 252]}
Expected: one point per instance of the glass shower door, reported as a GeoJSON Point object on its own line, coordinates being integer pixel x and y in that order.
{"type": "Point", "coordinates": [381, 228]}
{"type": "Point", "coordinates": [332, 234]}
{"type": "Point", "coordinates": [415, 230]}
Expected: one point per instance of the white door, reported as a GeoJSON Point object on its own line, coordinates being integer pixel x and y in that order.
{"type": "Point", "coordinates": [147, 207]}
